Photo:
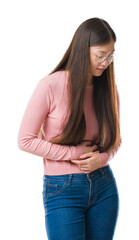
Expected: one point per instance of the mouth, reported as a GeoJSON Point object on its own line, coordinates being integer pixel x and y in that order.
{"type": "Point", "coordinates": [100, 69]}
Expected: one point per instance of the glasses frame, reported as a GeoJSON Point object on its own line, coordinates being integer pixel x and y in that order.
{"type": "Point", "coordinates": [100, 59]}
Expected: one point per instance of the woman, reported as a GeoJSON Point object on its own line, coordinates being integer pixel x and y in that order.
{"type": "Point", "coordinates": [77, 108]}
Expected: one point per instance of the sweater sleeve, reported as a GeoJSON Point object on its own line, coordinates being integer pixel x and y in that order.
{"type": "Point", "coordinates": [105, 157]}
{"type": "Point", "coordinates": [35, 113]}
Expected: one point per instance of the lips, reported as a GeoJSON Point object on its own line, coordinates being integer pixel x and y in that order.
{"type": "Point", "coordinates": [100, 69]}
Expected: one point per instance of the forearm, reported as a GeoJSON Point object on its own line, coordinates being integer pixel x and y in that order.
{"type": "Point", "coordinates": [30, 143]}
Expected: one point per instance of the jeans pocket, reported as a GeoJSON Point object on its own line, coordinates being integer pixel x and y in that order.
{"type": "Point", "coordinates": [54, 187]}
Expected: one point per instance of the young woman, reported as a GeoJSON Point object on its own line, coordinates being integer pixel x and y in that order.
{"type": "Point", "coordinates": [76, 107]}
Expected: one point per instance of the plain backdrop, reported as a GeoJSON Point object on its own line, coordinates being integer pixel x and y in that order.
{"type": "Point", "coordinates": [34, 35]}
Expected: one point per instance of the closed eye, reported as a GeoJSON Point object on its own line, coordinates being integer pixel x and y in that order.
{"type": "Point", "coordinates": [99, 56]}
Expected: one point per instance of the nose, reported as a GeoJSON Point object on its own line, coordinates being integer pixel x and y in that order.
{"type": "Point", "coordinates": [105, 63]}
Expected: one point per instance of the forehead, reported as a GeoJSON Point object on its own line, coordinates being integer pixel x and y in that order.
{"type": "Point", "coordinates": [109, 47]}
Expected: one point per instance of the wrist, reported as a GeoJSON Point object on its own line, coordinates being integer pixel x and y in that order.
{"type": "Point", "coordinates": [103, 159]}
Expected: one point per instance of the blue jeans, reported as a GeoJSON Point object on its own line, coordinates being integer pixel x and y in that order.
{"type": "Point", "coordinates": [81, 206]}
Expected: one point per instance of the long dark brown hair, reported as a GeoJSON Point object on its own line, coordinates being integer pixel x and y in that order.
{"type": "Point", "coordinates": [94, 31]}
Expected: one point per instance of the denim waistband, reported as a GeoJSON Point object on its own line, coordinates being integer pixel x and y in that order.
{"type": "Point", "coordinates": [79, 176]}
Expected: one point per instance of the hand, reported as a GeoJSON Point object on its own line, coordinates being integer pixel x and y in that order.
{"type": "Point", "coordinates": [86, 146]}
{"type": "Point", "coordinates": [91, 162]}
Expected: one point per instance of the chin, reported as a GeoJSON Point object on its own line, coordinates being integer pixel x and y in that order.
{"type": "Point", "coordinates": [97, 74]}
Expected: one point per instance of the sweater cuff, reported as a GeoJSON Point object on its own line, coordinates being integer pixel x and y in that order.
{"type": "Point", "coordinates": [103, 159]}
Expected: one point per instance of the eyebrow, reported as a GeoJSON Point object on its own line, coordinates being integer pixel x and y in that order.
{"type": "Point", "coordinates": [106, 52]}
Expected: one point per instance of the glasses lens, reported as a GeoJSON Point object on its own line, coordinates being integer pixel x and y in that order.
{"type": "Point", "coordinates": [102, 59]}
{"type": "Point", "coordinates": [111, 58]}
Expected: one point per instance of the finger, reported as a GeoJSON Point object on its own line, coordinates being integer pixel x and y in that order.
{"type": "Point", "coordinates": [87, 142]}
{"type": "Point", "coordinates": [76, 162]}
{"type": "Point", "coordinates": [85, 171]}
{"type": "Point", "coordinates": [94, 147]}
{"type": "Point", "coordinates": [81, 163]}
{"type": "Point", "coordinates": [89, 154]}
{"type": "Point", "coordinates": [85, 155]}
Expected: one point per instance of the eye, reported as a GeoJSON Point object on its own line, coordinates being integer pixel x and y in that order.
{"type": "Point", "coordinates": [99, 57]}
{"type": "Point", "coordinates": [111, 56]}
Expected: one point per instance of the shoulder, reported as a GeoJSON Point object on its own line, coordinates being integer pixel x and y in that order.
{"type": "Point", "coordinates": [55, 80]}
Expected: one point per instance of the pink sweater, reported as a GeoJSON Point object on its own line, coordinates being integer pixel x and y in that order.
{"type": "Point", "coordinates": [46, 110]}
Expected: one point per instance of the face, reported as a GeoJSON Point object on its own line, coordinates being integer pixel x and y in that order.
{"type": "Point", "coordinates": [97, 61]}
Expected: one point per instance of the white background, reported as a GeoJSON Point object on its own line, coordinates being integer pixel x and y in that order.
{"type": "Point", "coordinates": [34, 36]}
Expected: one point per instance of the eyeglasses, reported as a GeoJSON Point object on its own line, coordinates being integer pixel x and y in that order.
{"type": "Point", "coordinates": [101, 59]}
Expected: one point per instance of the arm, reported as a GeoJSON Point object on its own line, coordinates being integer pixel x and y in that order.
{"type": "Point", "coordinates": [36, 111]}
{"type": "Point", "coordinates": [107, 156]}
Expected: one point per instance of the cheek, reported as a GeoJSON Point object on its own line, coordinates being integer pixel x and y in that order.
{"type": "Point", "coordinates": [93, 63]}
